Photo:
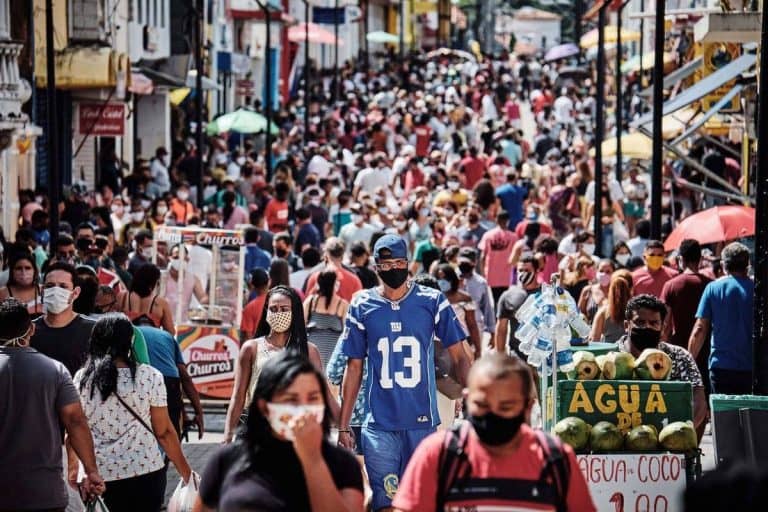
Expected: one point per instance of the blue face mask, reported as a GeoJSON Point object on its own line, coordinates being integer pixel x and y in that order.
{"type": "Point", "coordinates": [445, 285]}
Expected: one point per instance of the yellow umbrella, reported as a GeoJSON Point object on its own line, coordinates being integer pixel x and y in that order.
{"type": "Point", "coordinates": [633, 145]}
{"type": "Point", "coordinates": [589, 39]}
{"type": "Point", "coordinates": [633, 64]}
{"type": "Point", "coordinates": [176, 96]}
{"type": "Point", "coordinates": [673, 124]}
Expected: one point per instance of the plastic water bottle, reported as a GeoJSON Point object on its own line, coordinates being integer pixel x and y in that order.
{"type": "Point", "coordinates": [563, 344]}
{"type": "Point", "coordinates": [529, 308]}
{"type": "Point", "coordinates": [526, 333]}
{"type": "Point", "coordinates": [579, 325]}
{"type": "Point", "coordinates": [542, 348]}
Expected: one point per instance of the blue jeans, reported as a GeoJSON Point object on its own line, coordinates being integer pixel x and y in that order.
{"type": "Point", "coordinates": [606, 244]}
{"type": "Point", "coordinates": [386, 455]}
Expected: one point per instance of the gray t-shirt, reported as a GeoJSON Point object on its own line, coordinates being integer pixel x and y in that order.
{"type": "Point", "coordinates": [509, 302]}
{"type": "Point", "coordinates": [34, 388]}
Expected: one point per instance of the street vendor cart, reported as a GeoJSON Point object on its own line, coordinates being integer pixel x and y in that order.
{"type": "Point", "coordinates": [209, 333]}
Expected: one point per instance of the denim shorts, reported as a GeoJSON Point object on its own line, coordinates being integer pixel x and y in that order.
{"type": "Point", "coordinates": [386, 455]}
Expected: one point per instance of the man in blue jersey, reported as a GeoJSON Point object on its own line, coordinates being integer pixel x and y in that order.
{"type": "Point", "coordinates": [394, 326]}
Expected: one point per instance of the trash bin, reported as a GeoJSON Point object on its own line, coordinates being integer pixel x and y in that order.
{"type": "Point", "coordinates": [739, 424]}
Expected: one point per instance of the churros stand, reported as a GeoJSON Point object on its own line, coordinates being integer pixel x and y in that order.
{"type": "Point", "coordinates": [209, 334]}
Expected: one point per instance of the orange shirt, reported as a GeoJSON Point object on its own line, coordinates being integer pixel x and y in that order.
{"type": "Point", "coordinates": [252, 315]}
{"type": "Point", "coordinates": [349, 283]}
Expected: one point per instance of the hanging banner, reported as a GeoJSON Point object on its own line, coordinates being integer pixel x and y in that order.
{"type": "Point", "coordinates": [210, 353]}
{"type": "Point", "coordinates": [633, 482]}
{"type": "Point", "coordinates": [101, 120]}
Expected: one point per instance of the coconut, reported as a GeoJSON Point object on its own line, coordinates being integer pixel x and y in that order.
{"type": "Point", "coordinates": [641, 438]}
{"type": "Point", "coordinates": [679, 436]}
{"type": "Point", "coordinates": [605, 437]}
{"type": "Point", "coordinates": [584, 366]}
{"type": "Point", "coordinates": [574, 431]}
{"type": "Point", "coordinates": [653, 364]}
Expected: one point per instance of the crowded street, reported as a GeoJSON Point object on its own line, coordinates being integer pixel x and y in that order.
{"type": "Point", "coordinates": [383, 256]}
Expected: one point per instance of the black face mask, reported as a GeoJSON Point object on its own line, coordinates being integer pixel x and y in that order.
{"type": "Point", "coordinates": [465, 268]}
{"type": "Point", "coordinates": [644, 337]}
{"type": "Point", "coordinates": [281, 253]}
{"type": "Point", "coordinates": [394, 278]}
{"type": "Point", "coordinates": [495, 430]}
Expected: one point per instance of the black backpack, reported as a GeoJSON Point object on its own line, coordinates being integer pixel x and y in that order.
{"type": "Point", "coordinates": [454, 467]}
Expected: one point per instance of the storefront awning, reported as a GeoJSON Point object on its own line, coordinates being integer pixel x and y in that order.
{"type": "Point", "coordinates": [675, 76]}
{"type": "Point", "coordinates": [88, 68]}
{"type": "Point", "coordinates": [725, 100]}
{"type": "Point", "coordinates": [160, 79]}
{"type": "Point", "coordinates": [703, 87]}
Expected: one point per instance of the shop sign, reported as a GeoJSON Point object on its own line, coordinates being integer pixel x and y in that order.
{"type": "Point", "coordinates": [633, 482]}
{"type": "Point", "coordinates": [102, 120]}
{"type": "Point", "coordinates": [219, 237]}
{"type": "Point", "coordinates": [626, 404]}
{"type": "Point", "coordinates": [210, 354]}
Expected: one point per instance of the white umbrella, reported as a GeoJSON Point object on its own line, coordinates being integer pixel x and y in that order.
{"type": "Point", "coordinates": [380, 36]}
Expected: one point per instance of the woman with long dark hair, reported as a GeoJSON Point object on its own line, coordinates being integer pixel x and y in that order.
{"type": "Point", "coordinates": [462, 305]}
{"type": "Point", "coordinates": [232, 214]}
{"type": "Point", "coordinates": [24, 283]}
{"type": "Point", "coordinates": [324, 311]}
{"type": "Point", "coordinates": [284, 461]}
{"type": "Point", "coordinates": [127, 411]}
{"type": "Point", "coordinates": [281, 328]}
{"type": "Point", "coordinates": [142, 304]}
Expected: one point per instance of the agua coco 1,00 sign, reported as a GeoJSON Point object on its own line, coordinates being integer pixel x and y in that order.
{"type": "Point", "coordinates": [635, 482]}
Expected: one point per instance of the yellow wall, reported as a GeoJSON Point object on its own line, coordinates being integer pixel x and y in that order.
{"type": "Point", "coordinates": [59, 32]}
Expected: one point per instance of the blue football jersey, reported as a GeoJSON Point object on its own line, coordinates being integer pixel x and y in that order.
{"type": "Point", "coordinates": [397, 338]}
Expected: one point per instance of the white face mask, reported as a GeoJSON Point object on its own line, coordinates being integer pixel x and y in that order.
{"type": "Point", "coordinates": [166, 160]}
{"type": "Point", "coordinates": [240, 161]}
{"type": "Point", "coordinates": [162, 210]}
{"type": "Point", "coordinates": [56, 299]}
{"type": "Point", "coordinates": [137, 216]}
{"type": "Point", "coordinates": [117, 208]}
{"type": "Point", "coordinates": [453, 185]}
{"type": "Point", "coordinates": [623, 258]}
{"type": "Point", "coordinates": [588, 248]}
{"type": "Point", "coordinates": [279, 321]}
{"type": "Point", "coordinates": [174, 265]}
{"type": "Point", "coordinates": [182, 195]}
{"type": "Point", "coordinates": [282, 417]}
{"type": "Point", "coordinates": [357, 218]}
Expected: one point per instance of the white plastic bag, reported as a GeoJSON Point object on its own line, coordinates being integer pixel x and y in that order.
{"type": "Point", "coordinates": [183, 498]}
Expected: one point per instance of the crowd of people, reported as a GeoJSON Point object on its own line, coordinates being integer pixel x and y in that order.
{"type": "Point", "coordinates": [426, 205]}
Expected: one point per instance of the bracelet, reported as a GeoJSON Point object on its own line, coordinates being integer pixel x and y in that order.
{"type": "Point", "coordinates": [348, 431]}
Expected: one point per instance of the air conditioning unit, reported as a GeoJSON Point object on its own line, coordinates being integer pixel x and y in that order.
{"type": "Point", "coordinates": [89, 21]}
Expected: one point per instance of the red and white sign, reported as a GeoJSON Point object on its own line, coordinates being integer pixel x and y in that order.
{"type": "Point", "coordinates": [635, 482]}
{"type": "Point", "coordinates": [102, 120]}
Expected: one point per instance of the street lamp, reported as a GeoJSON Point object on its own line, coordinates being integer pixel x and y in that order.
{"type": "Point", "coordinates": [199, 16]}
{"type": "Point", "coordinates": [336, 52]}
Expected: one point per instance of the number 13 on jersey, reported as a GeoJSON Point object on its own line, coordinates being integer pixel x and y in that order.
{"type": "Point", "coordinates": [406, 348]}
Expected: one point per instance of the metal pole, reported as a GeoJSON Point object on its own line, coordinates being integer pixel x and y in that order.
{"type": "Point", "coordinates": [577, 13]}
{"type": "Point", "coordinates": [642, 43]}
{"type": "Point", "coordinates": [760, 330]}
{"type": "Point", "coordinates": [199, 93]}
{"type": "Point", "coordinates": [402, 32]}
{"type": "Point", "coordinates": [619, 99]}
{"type": "Point", "coordinates": [599, 131]}
{"type": "Point", "coordinates": [54, 180]}
{"type": "Point", "coordinates": [658, 105]}
{"type": "Point", "coordinates": [367, 64]}
{"type": "Point", "coordinates": [268, 92]}
{"type": "Point", "coordinates": [336, 52]}
{"type": "Point", "coordinates": [306, 71]}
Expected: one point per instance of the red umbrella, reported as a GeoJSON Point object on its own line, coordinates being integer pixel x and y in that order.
{"type": "Point", "coordinates": [317, 34]}
{"type": "Point", "coordinates": [717, 224]}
